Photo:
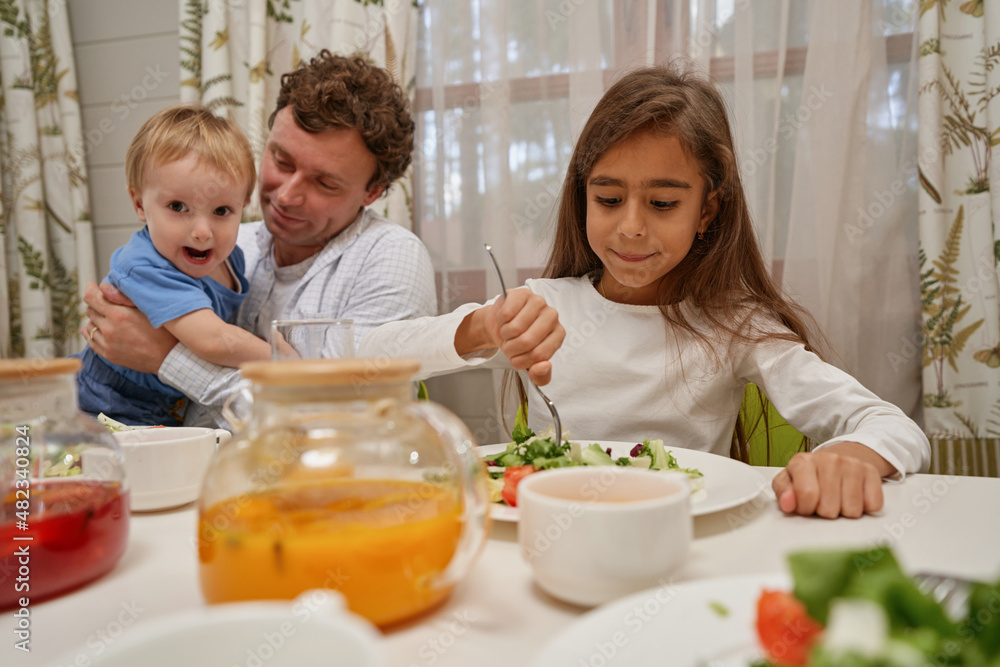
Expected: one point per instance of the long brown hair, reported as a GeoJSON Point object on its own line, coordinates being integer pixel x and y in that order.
{"type": "Point", "coordinates": [724, 274]}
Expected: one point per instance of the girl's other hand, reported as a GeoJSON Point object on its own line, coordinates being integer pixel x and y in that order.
{"type": "Point", "coordinates": [844, 479]}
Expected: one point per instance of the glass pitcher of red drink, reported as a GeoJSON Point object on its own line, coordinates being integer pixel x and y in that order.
{"type": "Point", "coordinates": [64, 516]}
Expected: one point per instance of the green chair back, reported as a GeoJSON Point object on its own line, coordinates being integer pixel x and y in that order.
{"type": "Point", "coordinates": [771, 440]}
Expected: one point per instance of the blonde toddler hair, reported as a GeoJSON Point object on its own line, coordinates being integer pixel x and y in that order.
{"type": "Point", "coordinates": [175, 132]}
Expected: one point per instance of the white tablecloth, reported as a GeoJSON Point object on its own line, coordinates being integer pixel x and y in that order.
{"type": "Point", "coordinates": [498, 616]}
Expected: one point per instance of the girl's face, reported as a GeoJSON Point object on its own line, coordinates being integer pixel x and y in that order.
{"type": "Point", "coordinates": [645, 205]}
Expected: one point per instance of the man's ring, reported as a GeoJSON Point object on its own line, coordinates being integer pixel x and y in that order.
{"type": "Point", "coordinates": [91, 332]}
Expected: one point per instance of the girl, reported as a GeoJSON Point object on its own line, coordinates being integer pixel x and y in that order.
{"type": "Point", "coordinates": [668, 309]}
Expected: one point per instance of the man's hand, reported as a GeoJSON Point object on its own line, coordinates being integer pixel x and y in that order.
{"type": "Point", "coordinates": [522, 325]}
{"type": "Point", "coordinates": [844, 479]}
{"type": "Point", "coordinates": [120, 333]}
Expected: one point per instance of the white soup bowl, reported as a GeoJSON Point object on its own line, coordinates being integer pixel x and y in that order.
{"type": "Point", "coordinates": [164, 467]}
{"type": "Point", "coordinates": [595, 533]}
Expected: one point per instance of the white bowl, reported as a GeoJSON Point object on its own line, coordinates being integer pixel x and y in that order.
{"type": "Point", "coordinates": [165, 466]}
{"type": "Point", "coordinates": [595, 533]}
{"type": "Point", "coordinates": [314, 630]}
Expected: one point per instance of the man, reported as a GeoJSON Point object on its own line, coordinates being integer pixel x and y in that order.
{"type": "Point", "coordinates": [341, 133]}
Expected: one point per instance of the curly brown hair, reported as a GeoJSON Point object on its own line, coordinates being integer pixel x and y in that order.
{"type": "Point", "coordinates": [331, 91]}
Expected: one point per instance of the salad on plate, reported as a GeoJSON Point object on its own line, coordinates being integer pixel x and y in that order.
{"type": "Point", "coordinates": [530, 453]}
{"type": "Point", "coordinates": [64, 459]}
{"type": "Point", "coordinates": [116, 426]}
{"type": "Point", "coordinates": [858, 609]}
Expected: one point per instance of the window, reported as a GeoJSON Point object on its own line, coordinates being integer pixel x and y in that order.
{"type": "Point", "coordinates": [502, 92]}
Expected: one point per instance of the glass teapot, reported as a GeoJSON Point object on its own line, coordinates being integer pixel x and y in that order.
{"type": "Point", "coordinates": [338, 479]}
{"type": "Point", "coordinates": [64, 516]}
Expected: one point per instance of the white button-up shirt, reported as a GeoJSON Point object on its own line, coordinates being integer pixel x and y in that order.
{"type": "Point", "coordinates": [372, 272]}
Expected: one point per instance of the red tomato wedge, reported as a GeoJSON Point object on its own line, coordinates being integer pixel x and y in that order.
{"type": "Point", "coordinates": [786, 631]}
{"type": "Point", "coordinates": [511, 477]}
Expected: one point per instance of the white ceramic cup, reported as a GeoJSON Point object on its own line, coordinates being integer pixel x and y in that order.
{"type": "Point", "coordinates": [595, 533]}
{"type": "Point", "coordinates": [312, 339]}
{"type": "Point", "coordinates": [165, 466]}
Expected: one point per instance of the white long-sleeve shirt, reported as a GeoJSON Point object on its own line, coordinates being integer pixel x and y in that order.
{"type": "Point", "coordinates": [372, 272]}
{"type": "Point", "coordinates": [622, 374]}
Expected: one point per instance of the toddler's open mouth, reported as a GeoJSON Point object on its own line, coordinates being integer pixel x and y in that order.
{"type": "Point", "coordinates": [197, 256]}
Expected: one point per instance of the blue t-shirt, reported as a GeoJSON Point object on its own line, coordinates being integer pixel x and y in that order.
{"type": "Point", "coordinates": [163, 293]}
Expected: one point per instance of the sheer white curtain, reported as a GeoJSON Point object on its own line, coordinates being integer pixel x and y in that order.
{"type": "Point", "coordinates": [502, 90]}
{"type": "Point", "coordinates": [818, 93]}
{"type": "Point", "coordinates": [851, 249]}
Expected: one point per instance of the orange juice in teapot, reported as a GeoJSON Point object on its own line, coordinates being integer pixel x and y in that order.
{"type": "Point", "coordinates": [340, 480]}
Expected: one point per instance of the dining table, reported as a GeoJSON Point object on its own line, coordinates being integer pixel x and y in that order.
{"type": "Point", "coordinates": [497, 615]}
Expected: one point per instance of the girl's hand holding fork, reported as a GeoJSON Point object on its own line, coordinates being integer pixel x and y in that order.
{"type": "Point", "coordinates": [522, 325]}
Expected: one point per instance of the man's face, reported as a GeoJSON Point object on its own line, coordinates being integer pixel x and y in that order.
{"type": "Point", "coordinates": [312, 186]}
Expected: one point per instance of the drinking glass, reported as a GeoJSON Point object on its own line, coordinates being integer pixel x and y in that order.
{"type": "Point", "coordinates": [312, 339]}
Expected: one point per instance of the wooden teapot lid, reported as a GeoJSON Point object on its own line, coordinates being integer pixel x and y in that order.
{"type": "Point", "coordinates": [325, 372]}
{"type": "Point", "coordinates": [20, 369]}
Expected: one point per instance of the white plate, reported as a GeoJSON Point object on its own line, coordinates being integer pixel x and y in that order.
{"type": "Point", "coordinates": [728, 483]}
{"type": "Point", "coordinates": [672, 625]}
{"type": "Point", "coordinates": [314, 630]}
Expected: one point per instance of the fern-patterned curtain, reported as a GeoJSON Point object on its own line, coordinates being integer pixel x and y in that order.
{"type": "Point", "coordinates": [959, 125]}
{"type": "Point", "coordinates": [46, 239]}
{"type": "Point", "coordinates": [233, 56]}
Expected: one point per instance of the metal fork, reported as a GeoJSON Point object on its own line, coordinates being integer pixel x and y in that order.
{"type": "Point", "coordinates": [952, 593]}
{"type": "Point", "coordinates": [548, 402]}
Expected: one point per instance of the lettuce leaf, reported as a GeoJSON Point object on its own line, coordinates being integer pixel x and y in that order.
{"type": "Point", "coordinates": [593, 455]}
{"type": "Point", "coordinates": [521, 431]}
{"type": "Point", "coordinates": [916, 620]}
{"type": "Point", "coordinates": [983, 622]}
